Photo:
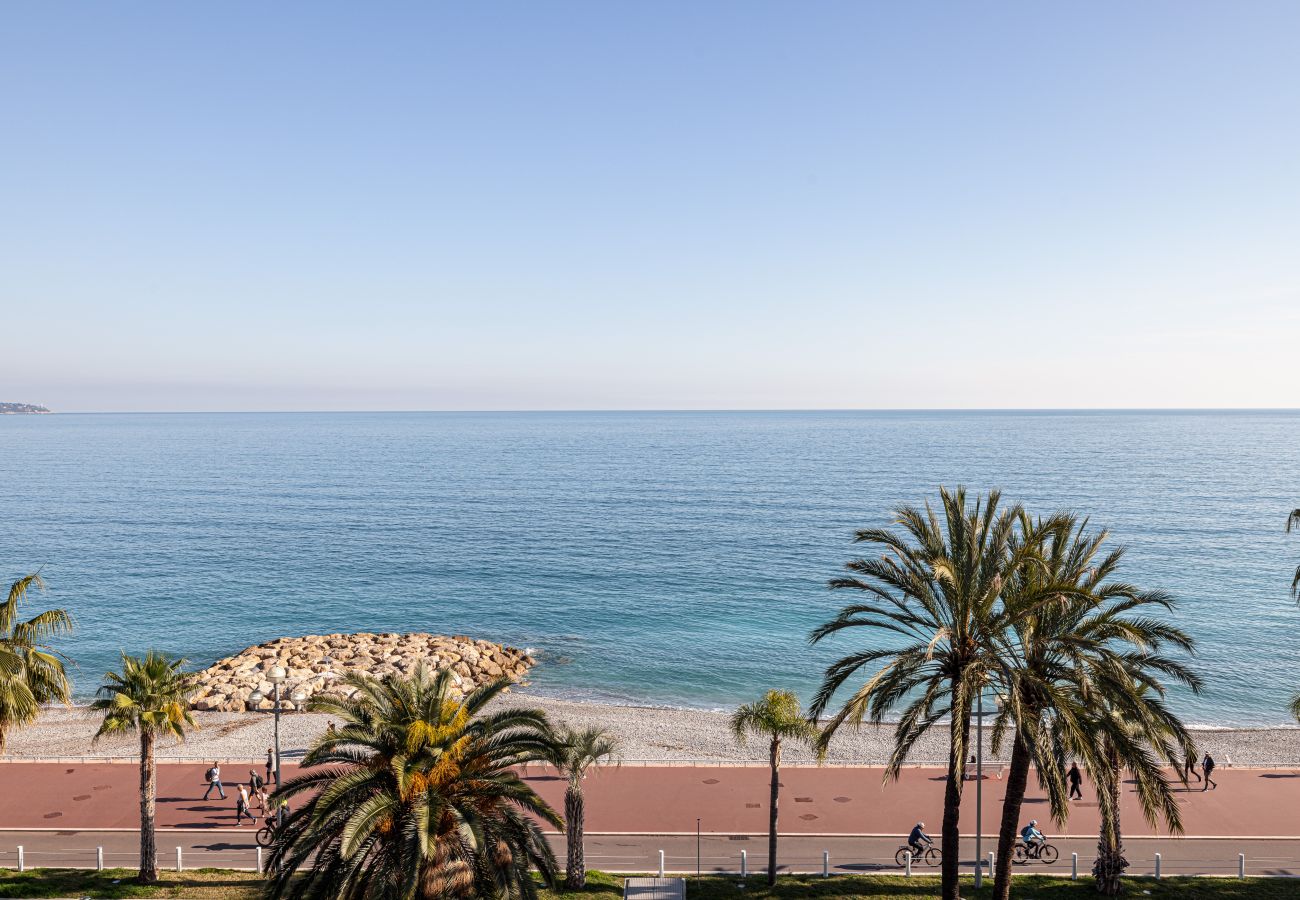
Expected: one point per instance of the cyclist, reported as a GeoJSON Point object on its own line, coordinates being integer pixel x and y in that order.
{"type": "Point", "coordinates": [918, 840]}
{"type": "Point", "coordinates": [1033, 838]}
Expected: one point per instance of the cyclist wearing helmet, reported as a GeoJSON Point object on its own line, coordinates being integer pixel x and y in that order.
{"type": "Point", "coordinates": [1032, 837]}
{"type": "Point", "coordinates": [918, 840]}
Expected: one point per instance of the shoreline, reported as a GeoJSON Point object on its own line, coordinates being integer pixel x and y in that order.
{"type": "Point", "coordinates": [648, 735]}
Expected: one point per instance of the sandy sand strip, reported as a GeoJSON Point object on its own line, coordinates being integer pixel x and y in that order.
{"type": "Point", "coordinates": [648, 734]}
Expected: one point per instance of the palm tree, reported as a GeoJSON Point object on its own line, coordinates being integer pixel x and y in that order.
{"type": "Point", "coordinates": [1124, 735]}
{"type": "Point", "coordinates": [1293, 521]}
{"type": "Point", "coordinates": [776, 717]}
{"type": "Point", "coordinates": [1068, 658]}
{"type": "Point", "coordinates": [576, 750]}
{"type": "Point", "coordinates": [936, 589]}
{"type": "Point", "coordinates": [31, 673]}
{"type": "Point", "coordinates": [415, 797]}
{"type": "Point", "coordinates": [150, 697]}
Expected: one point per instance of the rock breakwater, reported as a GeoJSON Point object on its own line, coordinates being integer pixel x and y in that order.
{"type": "Point", "coordinates": [316, 663]}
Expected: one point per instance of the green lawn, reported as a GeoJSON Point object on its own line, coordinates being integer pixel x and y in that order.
{"type": "Point", "coordinates": [218, 884]}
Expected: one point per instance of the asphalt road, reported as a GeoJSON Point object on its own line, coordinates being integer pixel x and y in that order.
{"type": "Point", "coordinates": [228, 848]}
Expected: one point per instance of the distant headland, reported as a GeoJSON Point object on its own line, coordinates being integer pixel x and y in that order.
{"type": "Point", "coordinates": [21, 409]}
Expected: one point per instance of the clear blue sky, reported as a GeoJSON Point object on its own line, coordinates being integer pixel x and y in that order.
{"type": "Point", "coordinates": [664, 205]}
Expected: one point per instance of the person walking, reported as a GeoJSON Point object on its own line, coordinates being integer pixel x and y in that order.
{"type": "Point", "coordinates": [263, 801]}
{"type": "Point", "coordinates": [270, 763]}
{"type": "Point", "coordinates": [241, 807]}
{"type": "Point", "coordinates": [1191, 768]}
{"type": "Point", "coordinates": [1076, 781]}
{"type": "Point", "coordinates": [213, 778]}
{"type": "Point", "coordinates": [1207, 766]}
{"type": "Point", "coordinates": [255, 782]}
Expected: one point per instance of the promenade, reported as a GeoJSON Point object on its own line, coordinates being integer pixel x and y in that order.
{"type": "Point", "coordinates": [62, 812]}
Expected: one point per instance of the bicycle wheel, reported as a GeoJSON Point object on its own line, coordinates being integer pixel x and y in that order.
{"type": "Point", "coordinates": [932, 856]}
{"type": "Point", "coordinates": [1048, 854]}
{"type": "Point", "coordinates": [265, 835]}
{"type": "Point", "coordinates": [1020, 856]}
{"type": "Point", "coordinates": [901, 857]}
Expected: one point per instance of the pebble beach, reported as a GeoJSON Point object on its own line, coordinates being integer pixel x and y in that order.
{"type": "Point", "coordinates": [648, 735]}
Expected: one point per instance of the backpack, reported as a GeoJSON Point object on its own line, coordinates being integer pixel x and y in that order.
{"type": "Point", "coordinates": [211, 775]}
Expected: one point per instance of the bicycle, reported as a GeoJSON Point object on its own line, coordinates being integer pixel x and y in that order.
{"type": "Point", "coordinates": [930, 856]}
{"type": "Point", "coordinates": [266, 834]}
{"type": "Point", "coordinates": [1045, 853]}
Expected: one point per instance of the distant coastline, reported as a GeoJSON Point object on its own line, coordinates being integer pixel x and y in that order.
{"type": "Point", "coordinates": [22, 409]}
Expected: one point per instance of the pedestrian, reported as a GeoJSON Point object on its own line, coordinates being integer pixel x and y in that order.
{"type": "Point", "coordinates": [213, 778]}
{"type": "Point", "coordinates": [1207, 766]}
{"type": "Point", "coordinates": [330, 731]}
{"type": "Point", "coordinates": [241, 807]}
{"type": "Point", "coordinates": [1191, 767]}
{"type": "Point", "coordinates": [255, 781]}
{"type": "Point", "coordinates": [270, 763]}
{"type": "Point", "coordinates": [263, 801]}
{"type": "Point", "coordinates": [1076, 779]}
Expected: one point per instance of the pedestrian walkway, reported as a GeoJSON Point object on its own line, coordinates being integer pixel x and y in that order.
{"type": "Point", "coordinates": [649, 800]}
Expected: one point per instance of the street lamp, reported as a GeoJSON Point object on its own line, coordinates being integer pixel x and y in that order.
{"type": "Point", "coordinates": [979, 779]}
{"type": "Point", "coordinates": [276, 676]}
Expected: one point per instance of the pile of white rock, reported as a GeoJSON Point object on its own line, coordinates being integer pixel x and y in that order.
{"type": "Point", "coordinates": [315, 664]}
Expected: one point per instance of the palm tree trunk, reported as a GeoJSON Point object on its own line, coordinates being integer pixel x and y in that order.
{"type": "Point", "coordinates": [148, 792]}
{"type": "Point", "coordinates": [950, 867]}
{"type": "Point", "coordinates": [775, 760]}
{"type": "Point", "coordinates": [1111, 864]}
{"type": "Point", "coordinates": [575, 873]}
{"type": "Point", "coordinates": [1017, 778]}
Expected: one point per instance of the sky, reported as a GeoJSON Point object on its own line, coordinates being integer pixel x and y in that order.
{"type": "Point", "coordinates": [669, 205]}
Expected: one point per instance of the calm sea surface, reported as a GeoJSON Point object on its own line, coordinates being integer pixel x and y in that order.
{"type": "Point", "coordinates": [663, 558]}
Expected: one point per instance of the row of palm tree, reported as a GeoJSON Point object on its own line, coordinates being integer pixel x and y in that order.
{"type": "Point", "coordinates": [974, 596]}
{"type": "Point", "coordinates": [416, 796]}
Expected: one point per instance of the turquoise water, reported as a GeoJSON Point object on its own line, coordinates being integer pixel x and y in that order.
{"type": "Point", "coordinates": [668, 558]}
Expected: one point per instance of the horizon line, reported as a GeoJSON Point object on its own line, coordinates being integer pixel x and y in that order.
{"type": "Point", "coordinates": [678, 410]}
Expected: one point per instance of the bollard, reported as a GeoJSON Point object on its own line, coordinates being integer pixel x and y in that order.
{"type": "Point", "coordinates": [1157, 867]}
{"type": "Point", "coordinates": [259, 860]}
{"type": "Point", "coordinates": [1074, 867]}
{"type": "Point", "coordinates": [99, 859]}
{"type": "Point", "coordinates": [990, 863]}
{"type": "Point", "coordinates": [744, 864]}
{"type": "Point", "coordinates": [661, 864]}
{"type": "Point", "coordinates": [826, 864]}
{"type": "Point", "coordinates": [907, 863]}
{"type": "Point", "coordinates": [179, 866]}
{"type": "Point", "coordinates": [20, 858]}
{"type": "Point", "coordinates": [1241, 866]}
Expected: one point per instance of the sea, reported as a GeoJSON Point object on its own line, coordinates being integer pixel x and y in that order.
{"type": "Point", "coordinates": [650, 558]}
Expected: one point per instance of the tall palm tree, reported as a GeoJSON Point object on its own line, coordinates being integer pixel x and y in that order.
{"type": "Point", "coordinates": [1068, 658]}
{"type": "Point", "coordinates": [416, 797]}
{"type": "Point", "coordinates": [935, 589]}
{"type": "Point", "coordinates": [778, 718]}
{"type": "Point", "coordinates": [149, 697]}
{"type": "Point", "coordinates": [31, 673]}
{"type": "Point", "coordinates": [1293, 521]}
{"type": "Point", "coordinates": [576, 750]}
{"type": "Point", "coordinates": [1125, 734]}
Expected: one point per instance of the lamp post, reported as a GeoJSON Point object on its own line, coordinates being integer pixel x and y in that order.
{"type": "Point", "coordinates": [276, 676]}
{"type": "Point", "coordinates": [979, 781]}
